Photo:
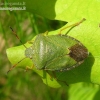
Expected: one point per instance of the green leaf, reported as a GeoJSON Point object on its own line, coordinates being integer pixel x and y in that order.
{"type": "Point", "coordinates": [84, 91]}
{"type": "Point", "coordinates": [66, 10]}
{"type": "Point", "coordinates": [88, 33]}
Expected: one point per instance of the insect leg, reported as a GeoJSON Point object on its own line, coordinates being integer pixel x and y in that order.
{"type": "Point", "coordinates": [30, 42]}
{"type": "Point", "coordinates": [58, 79]}
{"type": "Point", "coordinates": [53, 75]}
{"type": "Point", "coordinates": [73, 25]}
{"type": "Point", "coordinates": [28, 67]}
{"type": "Point", "coordinates": [46, 33]}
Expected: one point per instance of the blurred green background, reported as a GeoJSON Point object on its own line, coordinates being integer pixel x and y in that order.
{"type": "Point", "coordinates": [21, 85]}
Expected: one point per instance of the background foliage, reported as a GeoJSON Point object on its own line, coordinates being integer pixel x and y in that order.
{"type": "Point", "coordinates": [20, 85]}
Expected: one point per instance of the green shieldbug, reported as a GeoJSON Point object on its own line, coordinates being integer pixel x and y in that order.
{"type": "Point", "coordinates": [56, 52]}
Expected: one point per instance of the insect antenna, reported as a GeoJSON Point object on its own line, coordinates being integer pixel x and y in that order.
{"type": "Point", "coordinates": [15, 65]}
{"type": "Point", "coordinates": [17, 36]}
{"type": "Point", "coordinates": [22, 44]}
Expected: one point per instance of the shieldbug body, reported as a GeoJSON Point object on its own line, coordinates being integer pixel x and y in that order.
{"type": "Point", "coordinates": [56, 52]}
